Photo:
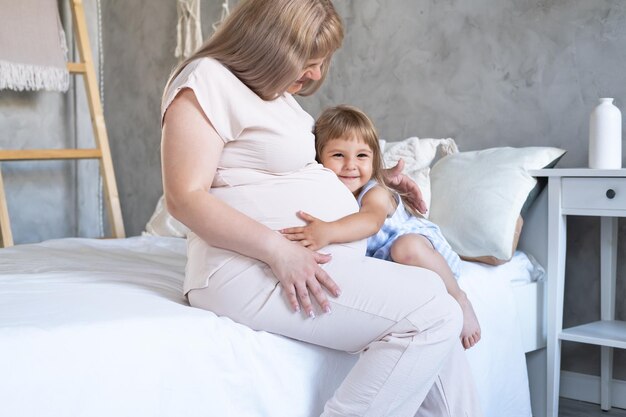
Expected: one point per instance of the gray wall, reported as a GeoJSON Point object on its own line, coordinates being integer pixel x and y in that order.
{"type": "Point", "coordinates": [139, 43]}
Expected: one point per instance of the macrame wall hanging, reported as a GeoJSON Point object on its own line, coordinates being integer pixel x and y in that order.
{"type": "Point", "coordinates": [189, 28]}
{"type": "Point", "coordinates": [225, 13]}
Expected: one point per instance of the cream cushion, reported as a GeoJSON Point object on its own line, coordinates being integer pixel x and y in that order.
{"type": "Point", "coordinates": [477, 197]}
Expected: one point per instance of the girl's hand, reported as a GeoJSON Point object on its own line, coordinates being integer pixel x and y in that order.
{"type": "Point", "coordinates": [299, 273]}
{"type": "Point", "coordinates": [315, 235]}
{"type": "Point", "coordinates": [394, 178]}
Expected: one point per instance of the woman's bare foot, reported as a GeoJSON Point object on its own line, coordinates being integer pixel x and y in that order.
{"type": "Point", "coordinates": [470, 334]}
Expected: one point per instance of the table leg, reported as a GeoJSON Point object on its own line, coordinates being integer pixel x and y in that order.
{"type": "Point", "coordinates": [557, 231]}
{"type": "Point", "coordinates": [608, 269]}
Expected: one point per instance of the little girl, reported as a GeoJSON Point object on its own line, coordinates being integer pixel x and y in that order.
{"type": "Point", "coordinates": [346, 142]}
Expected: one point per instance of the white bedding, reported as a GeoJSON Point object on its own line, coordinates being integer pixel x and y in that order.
{"type": "Point", "coordinates": [100, 328]}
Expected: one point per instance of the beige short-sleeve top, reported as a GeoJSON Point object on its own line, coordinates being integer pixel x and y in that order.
{"type": "Point", "coordinates": [267, 169]}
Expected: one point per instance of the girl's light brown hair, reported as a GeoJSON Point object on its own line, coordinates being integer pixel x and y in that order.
{"type": "Point", "coordinates": [266, 43]}
{"type": "Point", "coordinates": [350, 123]}
{"type": "Point", "coordinates": [346, 122]}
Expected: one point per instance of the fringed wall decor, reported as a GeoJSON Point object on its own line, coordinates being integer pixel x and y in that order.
{"type": "Point", "coordinates": [188, 28]}
{"type": "Point", "coordinates": [225, 13]}
{"type": "Point", "coordinates": [33, 50]}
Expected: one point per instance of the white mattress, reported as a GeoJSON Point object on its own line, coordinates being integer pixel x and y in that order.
{"type": "Point", "coordinates": [100, 328]}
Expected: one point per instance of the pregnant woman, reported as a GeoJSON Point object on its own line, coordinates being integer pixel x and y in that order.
{"type": "Point", "coordinates": [239, 163]}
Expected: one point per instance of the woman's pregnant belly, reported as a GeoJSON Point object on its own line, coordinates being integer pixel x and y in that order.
{"type": "Point", "coordinates": [274, 200]}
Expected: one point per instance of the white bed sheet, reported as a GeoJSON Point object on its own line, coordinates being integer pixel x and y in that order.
{"type": "Point", "coordinates": [100, 328]}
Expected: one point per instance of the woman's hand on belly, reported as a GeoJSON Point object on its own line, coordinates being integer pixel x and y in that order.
{"type": "Point", "coordinates": [298, 271]}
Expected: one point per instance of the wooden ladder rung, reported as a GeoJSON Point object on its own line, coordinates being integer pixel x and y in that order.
{"type": "Point", "coordinates": [51, 154]}
{"type": "Point", "coordinates": [77, 67]}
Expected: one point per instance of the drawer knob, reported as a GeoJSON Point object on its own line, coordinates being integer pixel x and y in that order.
{"type": "Point", "coordinates": [610, 193]}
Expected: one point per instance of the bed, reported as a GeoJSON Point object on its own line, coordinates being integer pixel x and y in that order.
{"type": "Point", "coordinates": [100, 328]}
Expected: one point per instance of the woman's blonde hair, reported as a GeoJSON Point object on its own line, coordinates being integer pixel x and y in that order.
{"type": "Point", "coordinates": [348, 122]}
{"type": "Point", "coordinates": [266, 43]}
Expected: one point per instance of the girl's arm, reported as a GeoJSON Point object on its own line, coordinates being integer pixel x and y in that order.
{"type": "Point", "coordinates": [412, 195]}
{"type": "Point", "coordinates": [376, 205]}
{"type": "Point", "coordinates": [191, 149]}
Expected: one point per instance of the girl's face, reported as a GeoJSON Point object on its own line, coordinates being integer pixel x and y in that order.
{"type": "Point", "coordinates": [312, 71]}
{"type": "Point", "coordinates": [351, 159]}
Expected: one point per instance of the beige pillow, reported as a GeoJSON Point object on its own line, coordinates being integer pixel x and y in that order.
{"type": "Point", "coordinates": [477, 198]}
{"type": "Point", "coordinates": [492, 260]}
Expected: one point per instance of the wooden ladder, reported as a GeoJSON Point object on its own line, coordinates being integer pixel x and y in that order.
{"type": "Point", "coordinates": [101, 152]}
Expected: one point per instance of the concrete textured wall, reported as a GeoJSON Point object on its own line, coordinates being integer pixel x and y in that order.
{"type": "Point", "coordinates": [487, 73]}
{"type": "Point", "coordinates": [139, 44]}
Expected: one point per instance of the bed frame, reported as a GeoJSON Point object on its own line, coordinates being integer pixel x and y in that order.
{"type": "Point", "coordinates": [531, 302]}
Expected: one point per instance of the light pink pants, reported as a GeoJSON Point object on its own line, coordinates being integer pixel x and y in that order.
{"type": "Point", "coordinates": [400, 318]}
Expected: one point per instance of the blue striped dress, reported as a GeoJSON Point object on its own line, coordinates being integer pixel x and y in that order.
{"type": "Point", "coordinates": [402, 222]}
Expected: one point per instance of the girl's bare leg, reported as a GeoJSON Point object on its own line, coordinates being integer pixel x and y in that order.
{"type": "Point", "coordinates": [416, 250]}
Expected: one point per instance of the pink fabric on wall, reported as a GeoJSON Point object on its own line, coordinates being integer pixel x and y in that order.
{"type": "Point", "coordinates": [32, 46]}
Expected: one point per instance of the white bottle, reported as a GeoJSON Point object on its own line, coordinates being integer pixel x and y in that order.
{"type": "Point", "coordinates": [605, 136]}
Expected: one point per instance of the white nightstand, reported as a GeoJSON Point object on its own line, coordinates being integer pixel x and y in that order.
{"type": "Point", "coordinates": [583, 192]}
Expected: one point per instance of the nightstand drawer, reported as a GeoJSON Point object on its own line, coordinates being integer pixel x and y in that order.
{"type": "Point", "coordinates": [594, 193]}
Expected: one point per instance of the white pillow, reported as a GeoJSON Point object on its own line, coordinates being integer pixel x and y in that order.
{"type": "Point", "coordinates": [477, 197]}
{"type": "Point", "coordinates": [418, 155]}
{"type": "Point", "coordinates": [163, 224]}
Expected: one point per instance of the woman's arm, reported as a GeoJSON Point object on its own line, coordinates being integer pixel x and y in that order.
{"type": "Point", "coordinates": [376, 205]}
{"type": "Point", "coordinates": [191, 150]}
